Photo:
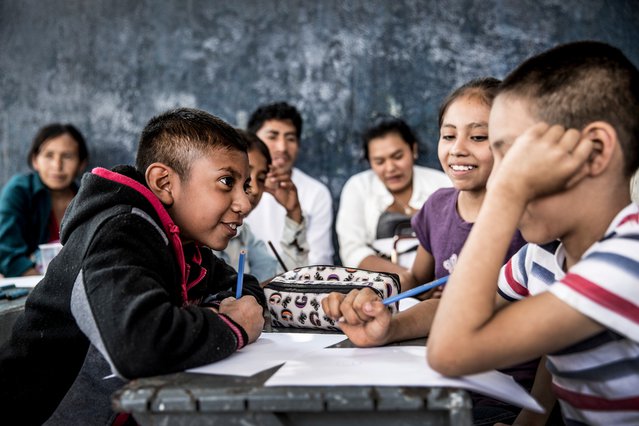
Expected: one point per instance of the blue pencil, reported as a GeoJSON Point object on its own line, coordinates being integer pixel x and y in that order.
{"type": "Point", "coordinates": [240, 275]}
{"type": "Point", "coordinates": [415, 291]}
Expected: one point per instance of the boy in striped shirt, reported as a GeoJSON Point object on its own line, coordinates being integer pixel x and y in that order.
{"type": "Point", "coordinates": [567, 191]}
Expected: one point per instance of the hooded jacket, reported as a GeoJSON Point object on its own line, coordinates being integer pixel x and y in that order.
{"type": "Point", "coordinates": [123, 299]}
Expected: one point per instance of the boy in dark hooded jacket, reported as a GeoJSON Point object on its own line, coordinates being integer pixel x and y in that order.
{"type": "Point", "coordinates": [136, 291]}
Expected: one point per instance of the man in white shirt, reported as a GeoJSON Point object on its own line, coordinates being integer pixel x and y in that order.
{"type": "Point", "coordinates": [279, 125]}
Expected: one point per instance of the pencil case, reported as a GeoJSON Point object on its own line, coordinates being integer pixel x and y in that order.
{"type": "Point", "coordinates": [295, 297]}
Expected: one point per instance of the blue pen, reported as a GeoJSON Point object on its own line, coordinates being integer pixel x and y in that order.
{"type": "Point", "coordinates": [415, 291]}
{"type": "Point", "coordinates": [240, 275]}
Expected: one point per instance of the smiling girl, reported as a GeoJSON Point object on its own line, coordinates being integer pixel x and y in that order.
{"type": "Point", "coordinates": [32, 205]}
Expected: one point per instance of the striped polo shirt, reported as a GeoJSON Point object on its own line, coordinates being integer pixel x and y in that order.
{"type": "Point", "coordinates": [596, 380]}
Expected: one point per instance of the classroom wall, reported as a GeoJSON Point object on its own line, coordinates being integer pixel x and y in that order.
{"type": "Point", "coordinates": [108, 66]}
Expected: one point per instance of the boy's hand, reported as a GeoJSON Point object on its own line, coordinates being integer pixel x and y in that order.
{"type": "Point", "coordinates": [246, 312]}
{"type": "Point", "coordinates": [542, 161]}
{"type": "Point", "coordinates": [362, 316]}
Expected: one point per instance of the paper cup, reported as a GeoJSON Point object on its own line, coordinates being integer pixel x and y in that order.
{"type": "Point", "coordinates": [47, 253]}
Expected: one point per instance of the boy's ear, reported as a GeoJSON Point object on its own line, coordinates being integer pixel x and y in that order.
{"type": "Point", "coordinates": [604, 144]}
{"type": "Point", "coordinates": [160, 179]}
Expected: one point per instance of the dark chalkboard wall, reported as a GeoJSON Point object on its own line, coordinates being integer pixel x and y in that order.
{"type": "Point", "coordinates": [108, 66]}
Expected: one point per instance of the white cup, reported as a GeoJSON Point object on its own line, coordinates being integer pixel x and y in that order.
{"type": "Point", "coordinates": [47, 253]}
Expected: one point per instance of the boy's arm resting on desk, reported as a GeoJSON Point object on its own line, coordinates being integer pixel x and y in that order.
{"type": "Point", "coordinates": [541, 161]}
{"type": "Point", "coordinates": [127, 301]}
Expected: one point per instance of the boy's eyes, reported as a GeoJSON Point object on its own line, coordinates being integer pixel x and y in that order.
{"type": "Point", "coordinates": [227, 181]}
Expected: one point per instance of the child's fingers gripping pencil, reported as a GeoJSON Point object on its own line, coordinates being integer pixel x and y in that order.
{"type": "Point", "coordinates": [415, 291]}
{"type": "Point", "coordinates": [412, 292]}
{"type": "Point", "coordinates": [240, 275]}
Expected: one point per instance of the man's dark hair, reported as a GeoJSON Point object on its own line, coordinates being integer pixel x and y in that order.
{"type": "Point", "coordinates": [275, 111]}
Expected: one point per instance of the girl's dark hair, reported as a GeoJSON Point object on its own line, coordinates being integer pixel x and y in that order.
{"type": "Point", "coordinates": [54, 130]}
{"type": "Point", "coordinates": [385, 124]}
{"type": "Point", "coordinates": [255, 143]}
{"type": "Point", "coordinates": [483, 88]}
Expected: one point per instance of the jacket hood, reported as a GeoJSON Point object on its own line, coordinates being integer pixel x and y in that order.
{"type": "Point", "coordinates": [103, 189]}
{"type": "Point", "coordinates": [98, 193]}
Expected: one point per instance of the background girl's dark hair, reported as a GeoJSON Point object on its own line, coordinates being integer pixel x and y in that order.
{"type": "Point", "coordinates": [54, 130]}
{"type": "Point", "coordinates": [255, 143]}
{"type": "Point", "coordinates": [484, 88]}
{"type": "Point", "coordinates": [385, 124]}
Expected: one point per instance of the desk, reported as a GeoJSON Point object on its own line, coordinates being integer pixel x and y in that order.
{"type": "Point", "coordinates": [11, 309]}
{"type": "Point", "coordinates": [194, 399]}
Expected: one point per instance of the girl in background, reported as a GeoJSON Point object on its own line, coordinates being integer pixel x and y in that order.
{"type": "Point", "coordinates": [32, 205]}
{"type": "Point", "coordinates": [260, 261]}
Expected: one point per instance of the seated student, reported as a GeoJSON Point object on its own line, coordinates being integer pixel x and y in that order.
{"type": "Point", "coordinates": [260, 260]}
{"type": "Point", "coordinates": [394, 184]}
{"type": "Point", "coordinates": [133, 293]}
{"type": "Point", "coordinates": [564, 131]}
{"type": "Point", "coordinates": [32, 205]}
{"type": "Point", "coordinates": [442, 226]}
{"type": "Point", "coordinates": [279, 125]}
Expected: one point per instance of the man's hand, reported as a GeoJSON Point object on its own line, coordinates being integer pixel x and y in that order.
{"type": "Point", "coordinates": [362, 316]}
{"type": "Point", "coordinates": [282, 188]}
{"type": "Point", "coordinates": [542, 161]}
{"type": "Point", "coordinates": [246, 312]}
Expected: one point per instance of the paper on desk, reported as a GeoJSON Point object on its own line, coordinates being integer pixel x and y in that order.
{"type": "Point", "coordinates": [407, 303]}
{"type": "Point", "coordinates": [28, 281]}
{"type": "Point", "coordinates": [391, 366]}
{"type": "Point", "coordinates": [269, 350]}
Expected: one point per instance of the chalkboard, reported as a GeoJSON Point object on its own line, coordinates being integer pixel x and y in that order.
{"type": "Point", "coordinates": [108, 66]}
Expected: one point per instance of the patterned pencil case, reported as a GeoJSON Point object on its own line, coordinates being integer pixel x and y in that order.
{"type": "Point", "coordinates": [295, 297]}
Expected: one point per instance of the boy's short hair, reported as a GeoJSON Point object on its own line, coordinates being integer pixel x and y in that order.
{"type": "Point", "coordinates": [275, 111]}
{"type": "Point", "coordinates": [577, 83]}
{"type": "Point", "coordinates": [255, 143]}
{"type": "Point", "coordinates": [54, 130]}
{"type": "Point", "coordinates": [178, 137]}
{"type": "Point", "coordinates": [384, 124]}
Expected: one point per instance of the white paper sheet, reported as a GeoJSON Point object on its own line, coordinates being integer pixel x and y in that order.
{"type": "Point", "coordinates": [407, 303]}
{"type": "Point", "coordinates": [28, 281]}
{"type": "Point", "coordinates": [391, 366]}
{"type": "Point", "coordinates": [269, 350]}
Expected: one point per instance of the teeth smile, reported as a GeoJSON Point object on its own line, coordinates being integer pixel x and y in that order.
{"type": "Point", "coordinates": [233, 225]}
{"type": "Point", "coordinates": [460, 168]}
